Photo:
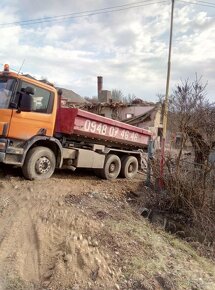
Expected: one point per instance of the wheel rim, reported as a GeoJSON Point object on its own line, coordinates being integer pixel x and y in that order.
{"type": "Point", "coordinates": [43, 165]}
{"type": "Point", "coordinates": [131, 168]}
{"type": "Point", "coordinates": [112, 167]}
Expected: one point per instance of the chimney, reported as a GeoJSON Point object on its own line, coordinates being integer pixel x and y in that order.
{"type": "Point", "coordinates": [99, 84]}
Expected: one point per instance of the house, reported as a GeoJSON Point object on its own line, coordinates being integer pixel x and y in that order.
{"type": "Point", "coordinates": [150, 118]}
{"type": "Point", "coordinates": [138, 113]}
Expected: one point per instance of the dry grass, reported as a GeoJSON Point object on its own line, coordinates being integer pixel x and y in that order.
{"type": "Point", "coordinates": [189, 199]}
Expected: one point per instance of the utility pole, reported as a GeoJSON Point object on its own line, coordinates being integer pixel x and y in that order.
{"type": "Point", "coordinates": [165, 112]}
{"type": "Point", "coordinates": [168, 74]}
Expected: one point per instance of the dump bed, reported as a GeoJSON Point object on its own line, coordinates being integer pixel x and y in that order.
{"type": "Point", "coordinates": [82, 124]}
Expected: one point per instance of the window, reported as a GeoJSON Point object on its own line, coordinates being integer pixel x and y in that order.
{"type": "Point", "coordinates": [42, 99]}
{"type": "Point", "coordinates": [129, 115]}
{"type": "Point", "coordinates": [6, 89]}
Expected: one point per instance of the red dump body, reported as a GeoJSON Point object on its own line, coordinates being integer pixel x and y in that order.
{"type": "Point", "coordinates": [79, 123]}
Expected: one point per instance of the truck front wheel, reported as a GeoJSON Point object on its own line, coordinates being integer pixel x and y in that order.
{"type": "Point", "coordinates": [39, 163]}
{"type": "Point", "coordinates": [111, 168]}
{"type": "Point", "coordinates": [129, 167]}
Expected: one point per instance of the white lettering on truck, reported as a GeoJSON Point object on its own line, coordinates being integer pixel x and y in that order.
{"type": "Point", "coordinates": [102, 129]}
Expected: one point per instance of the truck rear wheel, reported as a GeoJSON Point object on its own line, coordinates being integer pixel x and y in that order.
{"type": "Point", "coordinates": [39, 163]}
{"type": "Point", "coordinates": [111, 168]}
{"type": "Point", "coordinates": [129, 167]}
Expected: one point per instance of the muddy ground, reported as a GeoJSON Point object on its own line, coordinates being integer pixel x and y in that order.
{"type": "Point", "coordinates": [75, 231]}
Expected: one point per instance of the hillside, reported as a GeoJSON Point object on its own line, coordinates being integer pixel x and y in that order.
{"type": "Point", "coordinates": [76, 231]}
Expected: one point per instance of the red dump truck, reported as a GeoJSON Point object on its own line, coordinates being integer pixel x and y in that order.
{"type": "Point", "coordinates": [38, 135]}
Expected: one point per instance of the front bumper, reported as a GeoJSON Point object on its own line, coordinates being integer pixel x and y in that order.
{"type": "Point", "coordinates": [3, 146]}
{"type": "Point", "coordinates": [10, 154]}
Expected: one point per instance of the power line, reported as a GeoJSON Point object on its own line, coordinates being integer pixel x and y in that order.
{"type": "Point", "coordinates": [205, 2]}
{"type": "Point", "coordinates": [200, 3]}
{"type": "Point", "coordinates": [87, 13]}
{"type": "Point", "coordinates": [61, 18]}
{"type": "Point", "coordinates": [74, 13]}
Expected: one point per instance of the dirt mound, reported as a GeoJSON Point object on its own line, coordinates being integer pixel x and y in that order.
{"type": "Point", "coordinates": [76, 232]}
{"type": "Point", "coordinates": [47, 243]}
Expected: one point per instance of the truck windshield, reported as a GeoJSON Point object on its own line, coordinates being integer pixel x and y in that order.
{"type": "Point", "coordinates": [6, 88]}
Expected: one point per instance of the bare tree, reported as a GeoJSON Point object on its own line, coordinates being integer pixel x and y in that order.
{"type": "Point", "coordinates": [189, 182]}
{"type": "Point", "coordinates": [129, 98]}
{"type": "Point", "coordinates": [117, 95]}
{"type": "Point", "coordinates": [193, 116]}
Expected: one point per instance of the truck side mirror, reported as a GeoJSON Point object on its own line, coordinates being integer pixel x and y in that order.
{"type": "Point", "coordinates": [13, 105]}
{"type": "Point", "coordinates": [29, 90]}
{"type": "Point", "coordinates": [26, 100]}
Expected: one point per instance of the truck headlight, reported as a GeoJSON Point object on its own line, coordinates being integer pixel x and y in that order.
{"type": "Point", "coordinates": [2, 145]}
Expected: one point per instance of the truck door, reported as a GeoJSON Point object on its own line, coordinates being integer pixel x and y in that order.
{"type": "Point", "coordinates": [37, 119]}
{"type": "Point", "coordinates": [6, 90]}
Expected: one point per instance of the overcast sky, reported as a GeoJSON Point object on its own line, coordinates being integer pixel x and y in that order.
{"type": "Point", "coordinates": [129, 48]}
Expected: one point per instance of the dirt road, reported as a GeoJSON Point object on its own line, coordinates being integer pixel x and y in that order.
{"type": "Point", "coordinates": [75, 231]}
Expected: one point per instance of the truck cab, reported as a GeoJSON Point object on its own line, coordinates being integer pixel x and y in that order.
{"type": "Point", "coordinates": [27, 106]}
{"type": "Point", "coordinates": [27, 114]}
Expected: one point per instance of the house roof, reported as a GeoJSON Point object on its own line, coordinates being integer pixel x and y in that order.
{"type": "Point", "coordinates": [72, 97]}
{"type": "Point", "coordinates": [90, 105]}
{"type": "Point", "coordinates": [142, 117]}
{"type": "Point", "coordinates": [121, 104]}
